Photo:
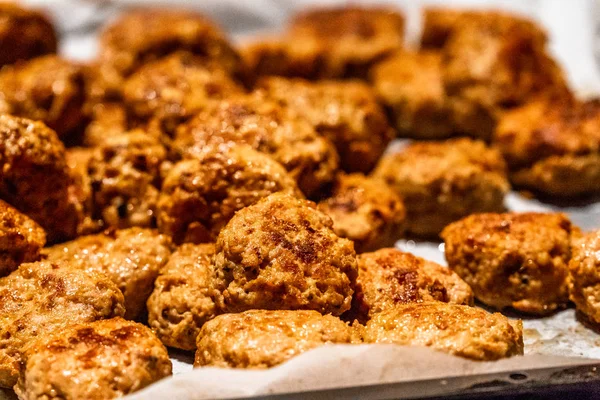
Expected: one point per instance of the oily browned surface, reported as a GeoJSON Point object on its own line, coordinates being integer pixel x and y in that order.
{"type": "Point", "coordinates": [106, 119]}
{"type": "Point", "coordinates": [456, 329]}
{"type": "Point", "coordinates": [131, 258]}
{"type": "Point", "coordinates": [41, 298]}
{"type": "Point", "coordinates": [512, 260]}
{"type": "Point", "coordinates": [77, 159]}
{"type": "Point", "coordinates": [584, 268]}
{"type": "Point", "coordinates": [182, 300]}
{"type": "Point", "coordinates": [366, 211]}
{"type": "Point", "coordinates": [281, 253]}
{"type": "Point", "coordinates": [262, 339]}
{"type": "Point", "coordinates": [96, 360]}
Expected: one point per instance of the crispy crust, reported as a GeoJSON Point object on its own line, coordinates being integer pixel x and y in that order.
{"type": "Point", "coordinates": [584, 268]}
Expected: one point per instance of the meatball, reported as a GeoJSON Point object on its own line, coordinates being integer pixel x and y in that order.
{"type": "Point", "coordinates": [47, 89]}
{"type": "Point", "coordinates": [104, 360]}
{"type": "Point", "coordinates": [24, 34]}
{"type": "Point", "coordinates": [282, 253]}
{"type": "Point", "coordinates": [584, 268]}
{"type": "Point", "coordinates": [553, 146]}
{"type": "Point", "coordinates": [125, 177]}
{"type": "Point", "coordinates": [262, 339]}
{"type": "Point", "coordinates": [182, 300]}
{"type": "Point", "coordinates": [268, 128]}
{"type": "Point", "coordinates": [441, 182]}
{"type": "Point", "coordinates": [512, 260]}
{"type": "Point", "coordinates": [200, 195]}
{"type": "Point", "coordinates": [347, 113]}
{"type": "Point", "coordinates": [460, 330]}
{"type": "Point", "coordinates": [21, 239]}
{"type": "Point", "coordinates": [77, 159]}
{"type": "Point", "coordinates": [34, 176]}
{"type": "Point", "coordinates": [40, 298]}
{"type": "Point", "coordinates": [131, 258]}
{"type": "Point", "coordinates": [366, 211]}
{"type": "Point", "coordinates": [390, 277]}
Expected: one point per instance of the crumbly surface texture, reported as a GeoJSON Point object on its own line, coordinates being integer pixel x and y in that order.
{"type": "Point", "coordinates": [97, 360]}
{"type": "Point", "coordinates": [21, 239]}
{"type": "Point", "coordinates": [267, 127]}
{"type": "Point", "coordinates": [390, 277]}
{"type": "Point", "coordinates": [513, 260]}
{"type": "Point", "coordinates": [200, 195]}
{"type": "Point", "coordinates": [41, 298]}
{"type": "Point", "coordinates": [262, 339]}
{"type": "Point", "coordinates": [584, 269]}
{"type": "Point", "coordinates": [460, 330]}
{"type": "Point", "coordinates": [282, 253]}
{"type": "Point", "coordinates": [347, 113]}
{"type": "Point", "coordinates": [182, 300]}
{"type": "Point", "coordinates": [366, 211]}
{"type": "Point", "coordinates": [131, 258]}
{"type": "Point", "coordinates": [441, 182]}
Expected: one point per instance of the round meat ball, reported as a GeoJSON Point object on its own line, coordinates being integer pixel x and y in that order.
{"type": "Point", "coordinates": [41, 298]}
{"type": "Point", "coordinates": [584, 268]}
{"type": "Point", "coordinates": [183, 296]}
{"type": "Point", "coordinates": [200, 195]}
{"type": "Point", "coordinates": [104, 360]}
{"type": "Point", "coordinates": [460, 330]}
{"type": "Point", "coordinates": [131, 258]}
{"type": "Point", "coordinates": [260, 339]}
{"type": "Point", "coordinates": [366, 211]}
{"type": "Point", "coordinates": [513, 260]}
{"type": "Point", "coordinates": [282, 253]}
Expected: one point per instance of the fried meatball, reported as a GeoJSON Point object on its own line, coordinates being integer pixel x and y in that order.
{"type": "Point", "coordinates": [200, 195]}
{"type": "Point", "coordinates": [40, 298]}
{"type": "Point", "coordinates": [512, 260]}
{"type": "Point", "coordinates": [347, 113]}
{"type": "Point", "coordinates": [390, 277]}
{"type": "Point", "coordinates": [47, 89]}
{"type": "Point", "coordinates": [441, 182]}
{"type": "Point", "coordinates": [460, 330]}
{"type": "Point", "coordinates": [34, 176]}
{"type": "Point", "coordinates": [260, 339]}
{"type": "Point", "coordinates": [553, 146]}
{"type": "Point", "coordinates": [21, 239]}
{"type": "Point", "coordinates": [366, 211]}
{"type": "Point", "coordinates": [131, 258]}
{"type": "Point", "coordinates": [182, 300]}
{"type": "Point", "coordinates": [96, 360]}
{"type": "Point", "coordinates": [24, 34]}
{"type": "Point", "coordinates": [268, 128]}
{"type": "Point", "coordinates": [281, 253]}
{"type": "Point", "coordinates": [584, 268]}
{"type": "Point", "coordinates": [125, 177]}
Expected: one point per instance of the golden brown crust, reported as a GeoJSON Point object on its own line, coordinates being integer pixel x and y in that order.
{"type": "Point", "coordinates": [40, 298]}
{"type": "Point", "coordinates": [460, 330]}
{"type": "Point", "coordinates": [512, 260]}
{"type": "Point", "coordinates": [584, 268]}
{"type": "Point", "coordinates": [96, 360]}
{"type": "Point", "coordinates": [131, 258]}
{"type": "Point", "coordinates": [262, 339]}
{"type": "Point", "coordinates": [182, 300]}
{"type": "Point", "coordinates": [441, 182]}
{"type": "Point", "coordinates": [366, 211]}
{"type": "Point", "coordinates": [281, 253]}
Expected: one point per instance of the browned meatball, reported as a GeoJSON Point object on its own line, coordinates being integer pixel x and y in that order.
{"type": "Point", "coordinates": [131, 258]}
{"type": "Point", "coordinates": [366, 211]}
{"type": "Point", "coordinates": [584, 268]}
{"type": "Point", "coordinates": [200, 195]}
{"type": "Point", "coordinates": [40, 298]}
{"type": "Point", "coordinates": [460, 330]}
{"type": "Point", "coordinates": [24, 34]}
{"type": "Point", "coordinates": [263, 339]}
{"type": "Point", "coordinates": [512, 260]}
{"type": "Point", "coordinates": [347, 113]}
{"type": "Point", "coordinates": [182, 300]}
{"type": "Point", "coordinates": [96, 360]}
{"type": "Point", "coordinates": [21, 239]}
{"type": "Point", "coordinates": [281, 253]}
{"type": "Point", "coordinates": [441, 182]}
{"type": "Point", "coordinates": [390, 277]}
